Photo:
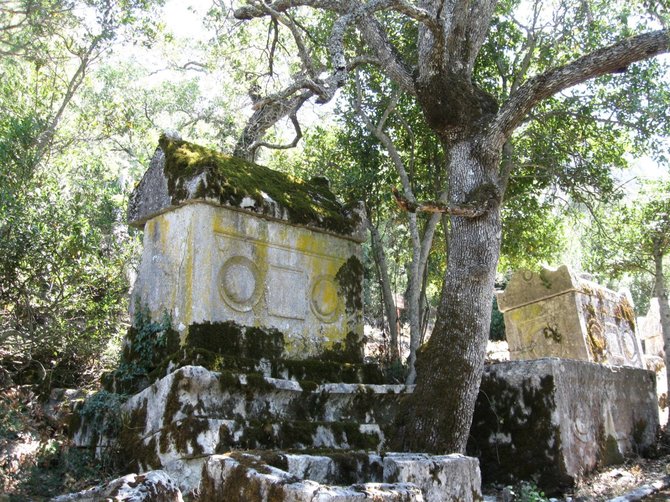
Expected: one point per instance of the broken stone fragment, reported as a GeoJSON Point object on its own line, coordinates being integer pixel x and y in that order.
{"type": "Point", "coordinates": [650, 330]}
{"type": "Point", "coordinates": [152, 486]}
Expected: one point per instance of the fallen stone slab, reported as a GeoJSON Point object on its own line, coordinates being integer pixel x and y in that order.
{"type": "Point", "coordinates": [393, 477]}
{"type": "Point", "coordinates": [552, 420]}
{"type": "Point", "coordinates": [153, 486]}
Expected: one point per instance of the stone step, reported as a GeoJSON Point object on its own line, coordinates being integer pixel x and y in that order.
{"type": "Point", "coordinates": [312, 370]}
{"type": "Point", "coordinates": [194, 437]}
{"type": "Point", "coordinates": [392, 477]}
{"type": "Point", "coordinates": [193, 391]}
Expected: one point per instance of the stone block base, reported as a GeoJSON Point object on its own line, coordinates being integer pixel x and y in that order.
{"type": "Point", "coordinates": [394, 477]}
{"type": "Point", "coordinates": [553, 420]}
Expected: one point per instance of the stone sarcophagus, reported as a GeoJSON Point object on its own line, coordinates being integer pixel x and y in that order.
{"type": "Point", "coordinates": [555, 313]}
{"type": "Point", "coordinates": [227, 241]}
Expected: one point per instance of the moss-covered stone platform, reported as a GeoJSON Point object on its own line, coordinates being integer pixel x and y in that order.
{"type": "Point", "coordinates": [244, 365]}
{"type": "Point", "coordinates": [552, 420]}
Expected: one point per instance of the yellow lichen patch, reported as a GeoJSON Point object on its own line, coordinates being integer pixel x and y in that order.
{"type": "Point", "coordinates": [531, 311]}
{"type": "Point", "coordinates": [324, 295]}
{"type": "Point", "coordinates": [308, 242]}
{"type": "Point", "coordinates": [163, 229]}
{"type": "Point", "coordinates": [333, 335]}
{"type": "Point", "coordinates": [624, 312]}
{"type": "Point", "coordinates": [596, 340]}
{"type": "Point", "coordinates": [260, 252]}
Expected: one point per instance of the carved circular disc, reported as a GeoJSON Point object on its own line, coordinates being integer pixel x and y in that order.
{"type": "Point", "coordinates": [325, 299]}
{"type": "Point", "coordinates": [239, 283]}
{"type": "Point", "coordinates": [629, 346]}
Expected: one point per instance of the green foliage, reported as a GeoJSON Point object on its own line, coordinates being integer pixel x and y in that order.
{"type": "Point", "coordinates": [629, 237]}
{"type": "Point", "coordinates": [62, 274]}
{"type": "Point", "coordinates": [631, 233]}
{"type": "Point", "coordinates": [527, 492]}
{"type": "Point", "coordinates": [497, 330]}
{"type": "Point", "coordinates": [63, 251]}
{"type": "Point", "coordinates": [146, 342]}
{"type": "Point", "coordinates": [102, 412]}
{"type": "Point", "coordinates": [12, 411]}
{"type": "Point", "coordinates": [59, 469]}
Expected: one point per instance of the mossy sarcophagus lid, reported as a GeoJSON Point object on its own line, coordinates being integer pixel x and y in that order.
{"type": "Point", "coordinates": [227, 240]}
{"type": "Point", "coordinates": [183, 172]}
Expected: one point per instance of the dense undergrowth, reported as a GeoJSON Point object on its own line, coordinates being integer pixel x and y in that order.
{"type": "Point", "coordinates": [37, 459]}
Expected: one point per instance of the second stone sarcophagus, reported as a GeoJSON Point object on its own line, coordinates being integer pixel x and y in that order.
{"type": "Point", "coordinates": [555, 313]}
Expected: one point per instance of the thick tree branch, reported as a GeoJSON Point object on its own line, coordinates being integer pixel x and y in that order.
{"type": "Point", "coordinates": [263, 119]}
{"type": "Point", "coordinates": [465, 210]}
{"type": "Point", "coordinates": [292, 144]}
{"type": "Point", "coordinates": [391, 63]}
{"type": "Point", "coordinates": [600, 62]}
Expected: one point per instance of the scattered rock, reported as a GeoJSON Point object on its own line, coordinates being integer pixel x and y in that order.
{"type": "Point", "coordinates": [152, 486]}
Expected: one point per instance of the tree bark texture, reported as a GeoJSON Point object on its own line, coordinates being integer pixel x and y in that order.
{"type": "Point", "coordinates": [438, 414]}
{"type": "Point", "coordinates": [661, 293]}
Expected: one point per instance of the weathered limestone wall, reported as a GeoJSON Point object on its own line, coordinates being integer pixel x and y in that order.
{"type": "Point", "coordinates": [205, 263]}
{"type": "Point", "coordinates": [554, 313]}
{"type": "Point", "coordinates": [552, 420]}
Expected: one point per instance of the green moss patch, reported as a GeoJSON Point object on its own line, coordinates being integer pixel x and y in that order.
{"type": "Point", "coordinates": [192, 356]}
{"type": "Point", "coordinates": [229, 180]}
{"type": "Point", "coordinates": [350, 284]}
{"type": "Point", "coordinates": [228, 346]}
{"type": "Point", "coordinates": [513, 434]}
{"type": "Point", "coordinates": [173, 403]}
{"type": "Point", "coordinates": [327, 371]}
{"type": "Point", "coordinates": [183, 434]}
{"type": "Point", "coordinates": [146, 344]}
{"type": "Point", "coordinates": [136, 455]}
{"type": "Point", "coordinates": [348, 351]}
{"type": "Point", "coordinates": [300, 434]}
{"type": "Point", "coordinates": [232, 339]}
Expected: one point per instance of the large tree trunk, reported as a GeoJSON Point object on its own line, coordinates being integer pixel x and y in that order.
{"type": "Point", "coordinates": [439, 412]}
{"type": "Point", "coordinates": [661, 293]}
